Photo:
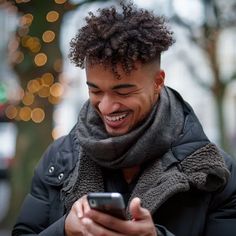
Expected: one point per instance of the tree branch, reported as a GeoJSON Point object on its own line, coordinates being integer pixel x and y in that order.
{"type": "Point", "coordinates": [192, 70]}
{"type": "Point", "coordinates": [73, 6]}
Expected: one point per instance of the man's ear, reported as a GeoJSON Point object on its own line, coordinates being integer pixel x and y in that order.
{"type": "Point", "coordinates": [159, 81]}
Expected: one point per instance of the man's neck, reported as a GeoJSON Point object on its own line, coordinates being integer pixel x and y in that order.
{"type": "Point", "coordinates": [130, 173]}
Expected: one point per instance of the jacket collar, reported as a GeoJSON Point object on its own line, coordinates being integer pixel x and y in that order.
{"type": "Point", "coordinates": [204, 170]}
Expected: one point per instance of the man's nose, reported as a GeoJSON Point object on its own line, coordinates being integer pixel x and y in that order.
{"type": "Point", "coordinates": [108, 104]}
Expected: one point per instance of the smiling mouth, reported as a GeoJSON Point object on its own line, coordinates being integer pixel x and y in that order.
{"type": "Point", "coordinates": [116, 118]}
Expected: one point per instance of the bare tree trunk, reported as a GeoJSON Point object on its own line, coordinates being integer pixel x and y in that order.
{"type": "Point", "coordinates": [32, 139]}
{"type": "Point", "coordinates": [219, 100]}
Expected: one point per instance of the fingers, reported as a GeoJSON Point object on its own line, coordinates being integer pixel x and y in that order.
{"type": "Point", "coordinates": [93, 228]}
{"type": "Point", "coordinates": [98, 223]}
{"type": "Point", "coordinates": [80, 207]}
{"type": "Point", "coordinates": [113, 224]}
{"type": "Point", "coordinates": [73, 225]}
{"type": "Point", "coordinates": [82, 220]}
{"type": "Point", "coordinates": [138, 212]}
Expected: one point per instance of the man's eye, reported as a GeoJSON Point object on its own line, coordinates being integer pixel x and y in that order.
{"type": "Point", "coordinates": [123, 94]}
{"type": "Point", "coordinates": [95, 92]}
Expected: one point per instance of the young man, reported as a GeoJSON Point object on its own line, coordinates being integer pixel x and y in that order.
{"type": "Point", "coordinates": [134, 136]}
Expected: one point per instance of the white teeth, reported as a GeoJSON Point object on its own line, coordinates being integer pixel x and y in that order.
{"type": "Point", "coordinates": [115, 118]}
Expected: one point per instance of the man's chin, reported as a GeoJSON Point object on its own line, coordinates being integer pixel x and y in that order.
{"type": "Point", "coordinates": [115, 133]}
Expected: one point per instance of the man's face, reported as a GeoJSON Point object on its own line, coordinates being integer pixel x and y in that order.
{"type": "Point", "coordinates": [123, 103]}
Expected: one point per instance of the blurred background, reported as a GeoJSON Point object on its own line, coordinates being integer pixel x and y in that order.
{"type": "Point", "coordinates": [41, 93]}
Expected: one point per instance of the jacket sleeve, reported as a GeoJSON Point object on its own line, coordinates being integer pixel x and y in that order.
{"type": "Point", "coordinates": [42, 211]}
{"type": "Point", "coordinates": [162, 231]}
{"type": "Point", "coordinates": [222, 210]}
{"type": "Point", "coordinates": [34, 215]}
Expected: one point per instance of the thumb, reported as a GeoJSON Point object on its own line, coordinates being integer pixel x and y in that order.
{"type": "Point", "coordinates": [138, 212]}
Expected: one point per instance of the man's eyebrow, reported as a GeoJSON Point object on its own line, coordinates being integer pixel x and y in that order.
{"type": "Point", "coordinates": [92, 85]}
{"type": "Point", "coordinates": [120, 86]}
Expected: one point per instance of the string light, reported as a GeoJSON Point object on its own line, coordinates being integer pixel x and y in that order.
{"type": "Point", "coordinates": [54, 100]}
{"type": "Point", "coordinates": [26, 20]}
{"type": "Point", "coordinates": [33, 86]}
{"type": "Point", "coordinates": [56, 90]}
{"type": "Point", "coordinates": [37, 115]}
{"type": "Point", "coordinates": [11, 112]}
{"type": "Point", "coordinates": [44, 92]}
{"type": "Point", "coordinates": [28, 99]}
{"type": "Point", "coordinates": [47, 79]}
{"type": "Point", "coordinates": [24, 40]}
{"type": "Point", "coordinates": [44, 86]}
{"type": "Point", "coordinates": [40, 59]}
{"type": "Point", "coordinates": [52, 16]}
{"type": "Point", "coordinates": [33, 44]}
{"type": "Point", "coordinates": [48, 36]}
{"type": "Point", "coordinates": [25, 113]}
{"type": "Point", "coordinates": [60, 1]}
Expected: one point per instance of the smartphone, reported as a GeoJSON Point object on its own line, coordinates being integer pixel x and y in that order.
{"type": "Point", "coordinates": [109, 203]}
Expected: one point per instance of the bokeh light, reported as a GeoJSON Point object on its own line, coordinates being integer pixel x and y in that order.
{"type": "Point", "coordinates": [33, 86]}
{"type": "Point", "coordinates": [48, 36]}
{"type": "Point", "coordinates": [24, 40]}
{"type": "Point", "coordinates": [52, 16]}
{"type": "Point", "coordinates": [47, 79]}
{"type": "Point", "coordinates": [26, 20]}
{"type": "Point", "coordinates": [44, 92]}
{"type": "Point", "coordinates": [25, 113]}
{"type": "Point", "coordinates": [60, 1]}
{"type": "Point", "coordinates": [33, 43]}
{"type": "Point", "coordinates": [11, 112]}
{"type": "Point", "coordinates": [28, 99]}
{"type": "Point", "coordinates": [56, 90]}
{"type": "Point", "coordinates": [40, 59]}
{"type": "Point", "coordinates": [37, 115]}
{"type": "Point", "coordinates": [54, 100]}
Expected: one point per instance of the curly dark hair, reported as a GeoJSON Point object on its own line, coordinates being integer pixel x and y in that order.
{"type": "Point", "coordinates": [112, 37]}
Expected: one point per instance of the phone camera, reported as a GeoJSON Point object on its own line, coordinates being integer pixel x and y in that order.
{"type": "Point", "coordinates": [92, 203]}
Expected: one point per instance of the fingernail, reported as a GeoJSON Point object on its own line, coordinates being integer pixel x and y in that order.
{"type": "Point", "coordinates": [80, 215]}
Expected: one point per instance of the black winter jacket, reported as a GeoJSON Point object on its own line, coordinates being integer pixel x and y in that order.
{"type": "Point", "coordinates": [191, 213]}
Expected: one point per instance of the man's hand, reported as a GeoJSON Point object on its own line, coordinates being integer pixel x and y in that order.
{"type": "Point", "coordinates": [99, 224]}
{"type": "Point", "coordinates": [73, 225]}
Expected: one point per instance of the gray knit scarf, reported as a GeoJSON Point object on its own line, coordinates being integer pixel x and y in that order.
{"type": "Point", "coordinates": [149, 142]}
